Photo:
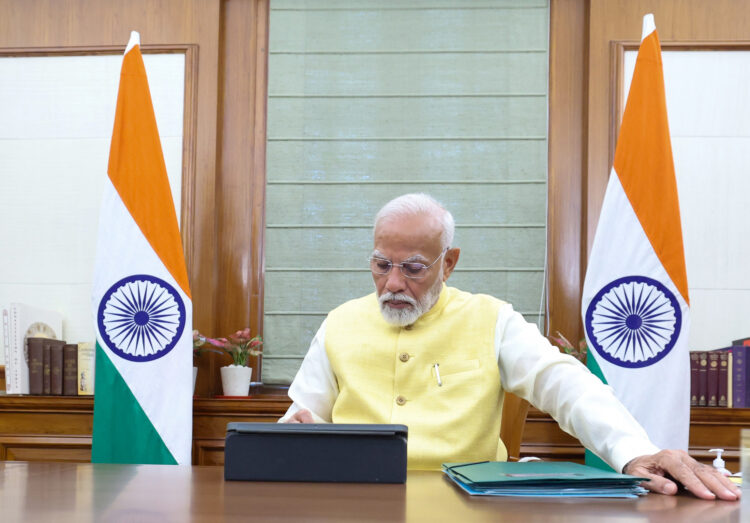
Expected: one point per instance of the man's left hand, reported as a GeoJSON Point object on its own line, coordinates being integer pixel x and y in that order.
{"type": "Point", "coordinates": [701, 480]}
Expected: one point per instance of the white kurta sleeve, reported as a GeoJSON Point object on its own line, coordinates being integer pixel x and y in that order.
{"type": "Point", "coordinates": [559, 384]}
{"type": "Point", "coordinates": [314, 387]}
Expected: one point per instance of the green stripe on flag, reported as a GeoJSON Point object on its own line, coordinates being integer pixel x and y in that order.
{"type": "Point", "coordinates": [591, 459]}
{"type": "Point", "coordinates": [593, 366]}
{"type": "Point", "coordinates": [116, 441]}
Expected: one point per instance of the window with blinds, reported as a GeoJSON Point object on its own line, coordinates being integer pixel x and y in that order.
{"type": "Point", "coordinates": [370, 100]}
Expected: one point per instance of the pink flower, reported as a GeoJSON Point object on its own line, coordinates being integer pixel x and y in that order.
{"type": "Point", "coordinates": [567, 347]}
{"type": "Point", "coordinates": [241, 345]}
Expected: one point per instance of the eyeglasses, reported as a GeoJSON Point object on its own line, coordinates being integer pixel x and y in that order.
{"type": "Point", "coordinates": [413, 270]}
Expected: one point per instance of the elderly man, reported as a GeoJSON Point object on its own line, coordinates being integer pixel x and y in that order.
{"type": "Point", "coordinates": [438, 360]}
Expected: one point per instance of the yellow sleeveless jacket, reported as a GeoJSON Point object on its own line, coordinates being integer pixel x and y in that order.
{"type": "Point", "coordinates": [388, 374]}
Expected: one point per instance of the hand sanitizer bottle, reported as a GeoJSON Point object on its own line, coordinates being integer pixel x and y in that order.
{"type": "Point", "coordinates": [719, 463]}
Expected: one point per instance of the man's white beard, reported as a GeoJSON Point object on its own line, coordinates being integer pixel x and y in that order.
{"type": "Point", "coordinates": [408, 315]}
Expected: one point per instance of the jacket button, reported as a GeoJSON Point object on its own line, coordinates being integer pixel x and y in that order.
{"type": "Point", "coordinates": [403, 357]}
{"type": "Point", "coordinates": [400, 400]}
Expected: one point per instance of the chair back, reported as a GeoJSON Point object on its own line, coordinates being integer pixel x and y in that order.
{"type": "Point", "coordinates": [512, 424]}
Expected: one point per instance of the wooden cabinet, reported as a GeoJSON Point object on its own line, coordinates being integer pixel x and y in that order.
{"type": "Point", "coordinates": [43, 428]}
{"type": "Point", "coordinates": [709, 428]}
{"type": "Point", "coordinates": [52, 428]}
{"type": "Point", "coordinates": [210, 418]}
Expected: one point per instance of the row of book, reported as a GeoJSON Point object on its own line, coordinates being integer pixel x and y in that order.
{"type": "Point", "coordinates": [37, 361]}
{"type": "Point", "coordinates": [57, 368]}
{"type": "Point", "coordinates": [718, 378]}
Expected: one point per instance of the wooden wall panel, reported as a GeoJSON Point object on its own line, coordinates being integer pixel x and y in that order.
{"type": "Point", "coordinates": [567, 173]}
{"type": "Point", "coordinates": [240, 197]}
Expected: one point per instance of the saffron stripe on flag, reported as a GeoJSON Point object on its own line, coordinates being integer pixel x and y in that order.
{"type": "Point", "coordinates": [648, 176]}
{"type": "Point", "coordinates": [136, 167]}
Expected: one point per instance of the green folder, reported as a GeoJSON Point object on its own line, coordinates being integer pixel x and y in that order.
{"type": "Point", "coordinates": [541, 478]}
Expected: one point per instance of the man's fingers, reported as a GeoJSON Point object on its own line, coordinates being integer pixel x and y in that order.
{"type": "Point", "coordinates": [688, 475]}
{"type": "Point", "coordinates": [704, 481]}
{"type": "Point", "coordinates": [658, 484]}
{"type": "Point", "coordinates": [302, 416]}
{"type": "Point", "coordinates": [701, 480]}
{"type": "Point", "coordinates": [717, 483]}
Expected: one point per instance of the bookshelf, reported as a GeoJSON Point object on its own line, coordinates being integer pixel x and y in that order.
{"type": "Point", "coordinates": [710, 427]}
{"type": "Point", "coordinates": [48, 428]}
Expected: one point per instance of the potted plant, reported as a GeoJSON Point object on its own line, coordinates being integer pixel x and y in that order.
{"type": "Point", "coordinates": [568, 348]}
{"type": "Point", "coordinates": [199, 348]}
{"type": "Point", "coordinates": [235, 378]}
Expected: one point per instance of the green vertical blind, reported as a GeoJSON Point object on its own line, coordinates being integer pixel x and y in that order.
{"type": "Point", "coordinates": [369, 100]}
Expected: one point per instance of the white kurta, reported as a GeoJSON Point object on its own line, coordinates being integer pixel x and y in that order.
{"type": "Point", "coordinates": [531, 368]}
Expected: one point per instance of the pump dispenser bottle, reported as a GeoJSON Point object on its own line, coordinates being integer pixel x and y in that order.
{"type": "Point", "coordinates": [719, 463]}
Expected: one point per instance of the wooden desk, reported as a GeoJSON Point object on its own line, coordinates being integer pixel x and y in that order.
{"type": "Point", "coordinates": [82, 492]}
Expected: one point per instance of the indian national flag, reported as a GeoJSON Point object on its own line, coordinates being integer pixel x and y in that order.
{"type": "Point", "coordinates": [635, 297]}
{"type": "Point", "coordinates": [141, 298]}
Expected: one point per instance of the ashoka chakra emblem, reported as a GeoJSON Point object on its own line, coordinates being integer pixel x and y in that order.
{"type": "Point", "coordinates": [141, 317]}
{"type": "Point", "coordinates": [633, 321]}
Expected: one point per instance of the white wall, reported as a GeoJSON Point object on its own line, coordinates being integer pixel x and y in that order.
{"type": "Point", "coordinates": [56, 117]}
{"type": "Point", "coordinates": [708, 104]}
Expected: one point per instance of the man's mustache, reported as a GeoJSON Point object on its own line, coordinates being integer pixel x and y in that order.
{"type": "Point", "coordinates": [389, 296]}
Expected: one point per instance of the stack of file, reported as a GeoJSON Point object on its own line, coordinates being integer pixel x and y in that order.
{"type": "Point", "coordinates": [542, 479]}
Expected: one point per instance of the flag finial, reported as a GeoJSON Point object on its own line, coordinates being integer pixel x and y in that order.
{"type": "Point", "coordinates": [135, 39]}
{"type": "Point", "coordinates": [648, 25]}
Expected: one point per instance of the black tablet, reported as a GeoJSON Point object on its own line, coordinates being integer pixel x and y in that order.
{"type": "Point", "coordinates": [329, 452]}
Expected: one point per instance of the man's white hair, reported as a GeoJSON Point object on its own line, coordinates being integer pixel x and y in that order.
{"type": "Point", "coordinates": [420, 203]}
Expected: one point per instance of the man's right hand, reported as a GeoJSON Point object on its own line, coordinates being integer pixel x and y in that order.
{"type": "Point", "coordinates": [301, 416]}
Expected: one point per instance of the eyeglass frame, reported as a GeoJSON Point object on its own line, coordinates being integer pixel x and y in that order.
{"type": "Point", "coordinates": [391, 265]}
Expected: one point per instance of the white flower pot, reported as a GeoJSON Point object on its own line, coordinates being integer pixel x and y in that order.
{"type": "Point", "coordinates": [235, 380]}
{"type": "Point", "coordinates": [195, 375]}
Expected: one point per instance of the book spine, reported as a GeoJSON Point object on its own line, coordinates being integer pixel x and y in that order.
{"type": "Point", "coordinates": [694, 379]}
{"type": "Point", "coordinates": [712, 380]}
{"type": "Point", "coordinates": [55, 369]}
{"type": "Point", "coordinates": [703, 379]}
{"type": "Point", "coordinates": [723, 398]}
{"type": "Point", "coordinates": [45, 369]}
{"type": "Point", "coordinates": [36, 364]}
{"type": "Point", "coordinates": [70, 370]}
{"type": "Point", "coordinates": [730, 373]}
{"type": "Point", "coordinates": [738, 376]}
{"type": "Point", "coordinates": [86, 369]}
